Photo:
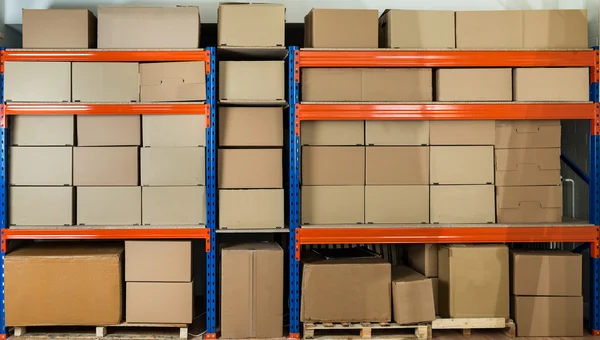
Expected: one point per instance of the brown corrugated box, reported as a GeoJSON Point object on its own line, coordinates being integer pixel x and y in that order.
{"type": "Point", "coordinates": [462, 204]}
{"type": "Point", "coordinates": [529, 204]}
{"type": "Point", "coordinates": [548, 273]}
{"type": "Point", "coordinates": [59, 28]}
{"type": "Point", "coordinates": [148, 27]}
{"type": "Point", "coordinates": [516, 167]}
{"type": "Point", "coordinates": [474, 281]}
{"type": "Point", "coordinates": [517, 134]}
{"type": "Point", "coordinates": [341, 28]}
{"type": "Point", "coordinates": [52, 206]}
{"type": "Point", "coordinates": [45, 165]}
{"type": "Point", "coordinates": [252, 82]}
{"type": "Point", "coordinates": [465, 132]}
{"type": "Point", "coordinates": [249, 209]}
{"type": "Point", "coordinates": [435, 283]}
{"type": "Point", "coordinates": [390, 132]}
{"type": "Point", "coordinates": [37, 81]}
{"type": "Point", "coordinates": [173, 81]}
{"type": "Point", "coordinates": [551, 84]}
{"type": "Point", "coordinates": [333, 204]}
{"type": "Point", "coordinates": [109, 206]}
{"type": "Point", "coordinates": [416, 29]}
{"type": "Point", "coordinates": [473, 84]}
{"type": "Point", "coordinates": [105, 82]}
{"type": "Point", "coordinates": [559, 29]}
{"type": "Point", "coordinates": [99, 130]}
{"type": "Point", "coordinates": [329, 132]}
{"type": "Point", "coordinates": [251, 25]}
{"type": "Point", "coordinates": [33, 130]}
{"type": "Point", "coordinates": [105, 166]}
{"type": "Point", "coordinates": [250, 169]}
{"type": "Point", "coordinates": [333, 165]}
{"type": "Point", "coordinates": [173, 166]}
{"type": "Point", "coordinates": [548, 315]}
{"type": "Point", "coordinates": [387, 165]}
{"type": "Point", "coordinates": [159, 302]}
{"type": "Point", "coordinates": [462, 165]}
{"type": "Point", "coordinates": [489, 29]}
{"type": "Point", "coordinates": [412, 296]}
{"type": "Point", "coordinates": [85, 289]}
{"type": "Point", "coordinates": [250, 126]}
{"type": "Point", "coordinates": [173, 205]}
{"type": "Point", "coordinates": [423, 258]}
{"type": "Point", "coordinates": [397, 204]}
{"type": "Point", "coordinates": [163, 261]}
{"type": "Point", "coordinates": [252, 291]}
{"type": "Point", "coordinates": [173, 130]}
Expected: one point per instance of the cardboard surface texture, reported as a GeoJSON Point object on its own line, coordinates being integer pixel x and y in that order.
{"type": "Point", "coordinates": [105, 166]}
{"type": "Point", "coordinates": [548, 273]}
{"type": "Point", "coordinates": [551, 84]}
{"type": "Point", "coordinates": [529, 204]}
{"type": "Point", "coordinates": [173, 81]}
{"type": "Point", "coordinates": [249, 209]}
{"type": "Point", "coordinates": [412, 296]}
{"type": "Point", "coordinates": [44, 165]}
{"type": "Point", "coordinates": [397, 204]}
{"type": "Point", "coordinates": [396, 132]}
{"type": "Point", "coordinates": [173, 205]}
{"type": "Point", "coordinates": [250, 126]}
{"type": "Point", "coordinates": [435, 283]}
{"type": "Point", "coordinates": [462, 165]}
{"type": "Point", "coordinates": [109, 206]}
{"type": "Point", "coordinates": [329, 132]}
{"type": "Point", "coordinates": [169, 166]}
{"type": "Point", "coordinates": [250, 169]}
{"type": "Point", "coordinates": [333, 165]}
{"type": "Point", "coordinates": [341, 28]}
{"type": "Point", "coordinates": [416, 29]}
{"type": "Point", "coordinates": [548, 315]}
{"type": "Point", "coordinates": [423, 258]}
{"type": "Point", "coordinates": [173, 130]}
{"type": "Point", "coordinates": [164, 261]}
{"type": "Point", "coordinates": [59, 28]}
{"type": "Point", "coordinates": [473, 84]}
{"type": "Point", "coordinates": [489, 29]}
{"type": "Point", "coordinates": [516, 167]}
{"type": "Point", "coordinates": [33, 130]}
{"type": "Point", "coordinates": [386, 165]}
{"type": "Point", "coordinates": [102, 130]}
{"type": "Point", "coordinates": [333, 204]}
{"type": "Point", "coordinates": [159, 302]}
{"type": "Point", "coordinates": [517, 134]}
{"type": "Point", "coordinates": [251, 25]}
{"type": "Point", "coordinates": [560, 29]}
{"type": "Point", "coordinates": [105, 82]}
{"type": "Point", "coordinates": [52, 206]}
{"type": "Point", "coordinates": [462, 204]}
{"type": "Point", "coordinates": [464, 132]}
{"type": "Point", "coordinates": [37, 81]}
{"type": "Point", "coordinates": [252, 81]}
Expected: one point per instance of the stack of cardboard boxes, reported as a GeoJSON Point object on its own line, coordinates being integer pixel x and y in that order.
{"type": "Point", "coordinates": [424, 259]}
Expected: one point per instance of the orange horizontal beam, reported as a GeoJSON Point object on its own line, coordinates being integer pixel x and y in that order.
{"type": "Point", "coordinates": [104, 109]}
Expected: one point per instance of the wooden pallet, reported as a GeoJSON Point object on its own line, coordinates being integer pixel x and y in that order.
{"type": "Point", "coordinates": [365, 330]}
{"type": "Point", "coordinates": [467, 324]}
{"type": "Point", "coordinates": [129, 331]}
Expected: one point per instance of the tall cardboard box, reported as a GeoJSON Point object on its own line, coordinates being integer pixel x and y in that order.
{"type": "Point", "coordinates": [518, 167]}
{"type": "Point", "coordinates": [547, 273]}
{"type": "Point", "coordinates": [463, 132]}
{"type": "Point", "coordinates": [521, 134]}
{"type": "Point", "coordinates": [59, 28]}
{"type": "Point", "coordinates": [173, 205]}
{"type": "Point", "coordinates": [387, 165]}
{"type": "Point", "coordinates": [105, 82]}
{"type": "Point", "coordinates": [556, 84]}
{"type": "Point", "coordinates": [251, 25]}
{"type": "Point", "coordinates": [105, 166]}
{"type": "Point", "coordinates": [173, 130]}
{"type": "Point", "coordinates": [251, 209]}
{"type": "Point", "coordinates": [252, 291]}
{"type": "Point", "coordinates": [423, 258]}
{"type": "Point", "coordinates": [53, 206]}
{"type": "Point", "coordinates": [38, 81]}
{"type": "Point", "coordinates": [28, 165]}
{"type": "Point", "coordinates": [33, 130]}
{"type": "Point", "coordinates": [396, 204]}
{"type": "Point", "coordinates": [473, 84]}
{"type": "Point", "coordinates": [396, 132]}
{"type": "Point", "coordinates": [252, 82]}
{"type": "Point", "coordinates": [412, 296]}
{"type": "Point", "coordinates": [341, 28]}
{"type": "Point", "coordinates": [529, 204]}
{"type": "Point", "coordinates": [109, 206]}
{"type": "Point", "coordinates": [163, 261]}
{"type": "Point", "coordinates": [548, 315]}
{"type": "Point", "coordinates": [331, 133]}
{"type": "Point", "coordinates": [250, 169]}
{"type": "Point", "coordinates": [341, 204]}
{"type": "Point", "coordinates": [416, 29]}
{"type": "Point", "coordinates": [333, 165]}
{"type": "Point", "coordinates": [489, 29]}
{"type": "Point", "coordinates": [558, 29]}
{"type": "Point", "coordinates": [159, 302]}
{"type": "Point", "coordinates": [250, 126]}
{"type": "Point", "coordinates": [102, 130]}
{"type": "Point", "coordinates": [462, 165]}
{"type": "Point", "coordinates": [173, 81]}
{"type": "Point", "coordinates": [462, 204]}
{"type": "Point", "coordinates": [168, 166]}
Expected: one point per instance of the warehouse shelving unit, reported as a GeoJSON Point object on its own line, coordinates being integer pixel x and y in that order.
{"type": "Point", "coordinates": [588, 233]}
{"type": "Point", "coordinates": [121, 233]}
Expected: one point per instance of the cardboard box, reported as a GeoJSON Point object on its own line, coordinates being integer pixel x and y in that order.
{"type": "Point", "coordinates": [396, 132]}
{"type": "Point", "coordinates": [548, 273]}
{"type": "Point", "coordinates": [252, 82]}
{"type": "Point", "coordinates": [529, 204]}
{"type": "Point", "coordinates": [520, 134]}
{"type": "Point", "coordinates": [101, 130]}
{"type": "Point", "coordinates": [86, 284]}
{"type": "Point", "coordinates": [464, 132]}
{"type": "Point", "coordinates": [173, 81]}
{"type": "Point", "coordinates": [435, 283]}
{"type": "Point", "coordinates": [173, 130]}
{"type": "Point", "coordinates": [251, 25]}
{"type": "Point", "coordinates": [37, 81]}
{"type": "Point", "coordinates": [330, 132]}
{"type": "Point", "coordinates": [412, 296]}
{"type": "Point", "coordinates": [473, 84]}
{"type": "Point", "coordinates": [250, 169]}
{"type": "Point", "coordinates": [367, 84]}
{"type": "Point", "coordinates": [473, 281]}
{"type": "Point", "coordinates": [387, 165]}
{"type": "Point", "coordinates": [164, 261]}
{"type": "Point", "coordinates": [548, 315]}
{"type": "Point", "coordinates": [517, 167]}
{"type": "Point", "coordinates": [105, 82]}
{"type": "Point", "coordinates": [173, 205]}
{"type": "Point", "coordinates": [489, 29]}
{"type": "Point", "coordinates": [105, 166]}
{"type": "Point", "coordinates": [33, 130]}
{"type": "Point", "coordinates": [252, 291]}
{"type": "Point", "coordinates": [462, 204]}
{"type": "Point", "coordinates": [159, 302]}
{"type": "Point", "coordinates": [556, 84]}
{"type": "Point", "coordinates": [416, 29]}
{"type": "Point", "coordinates": [333, 204]}
{"type": "Point", "coordinates": [333, 165]}
{"type": "Point", "coordinates": [46, 165]}
{"type": "Point", "coordinates": [250, 126]}
{"type": "Point", "coordinates": [462, 165]}
{"type": "Point", "coordinates": [109, 206]}
{"type": "Point", "coordinates": [423, 258]}
{"type": "Point", "coordinates": [148, 27]}
{"type": "Point", "coordinates": [558, 29]}
{"type": "Point", "coordinates": [341, 28]}
{"type": "Point", "coordinates": [52, 206]}
{"type": "Point", "coordinates": [171, 166]}
{"type": "Point", "coordinates": [397, 204]}
{"type": "Point", "coordinates": [59, 28]}
{"type": "Point", "coordinates": [329, 290]}
{"type": "Point", "coordinates": [251, 209]}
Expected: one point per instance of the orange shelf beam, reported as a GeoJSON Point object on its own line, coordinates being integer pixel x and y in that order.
{"type": "Point", "coordinates": [104, 109]}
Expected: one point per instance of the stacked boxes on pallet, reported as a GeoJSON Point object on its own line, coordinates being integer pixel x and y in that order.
{"type": "Point", "coordinates": [424, 259]}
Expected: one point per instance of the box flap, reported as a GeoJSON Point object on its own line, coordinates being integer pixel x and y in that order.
{"type": "Point", "coordinates": [517, 159]}
{"type": "Point", "coordinates": [534, 197]}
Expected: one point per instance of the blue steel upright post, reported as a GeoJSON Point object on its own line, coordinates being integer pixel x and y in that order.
{"type": "Point", "coordinates": [3, 199]}
{"type": "Point", "coordinates": [594, 202]}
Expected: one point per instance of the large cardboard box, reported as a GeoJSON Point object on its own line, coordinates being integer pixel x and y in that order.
{"type": "Point", "coordinates": [341, 28]}
{"type": "Point", "coordinates": [252, 82]}
{"type": "Point", "coordinates": [473, 281]}
{"type": "Point", "coordinates": [250, 126]}
{"type": "Point", "coordinates": [520, 134]}
{"type": "Point", "coordinates": [173, 130]}
{"type": "Point", "coordinates": [548, 315]}
{"type": "Point", "coordinates": [105, 166]}
{"type": "Point", "coordinates": [173, 205]}
{"type": "Point", "coordinates": [251, 25]}
{"type": "Point", "coordinates": [333, 165]}
{"type": "Point", "coordinates": [558, 29]}
{"type": "Point", "coordinates": [251, 209]}
{"type": "Point", "coordinates": [473, 84]}
{"type": "Point", "coordinates": [250, 168]}
{"type": "Point", "coordinates": [517, 167]}
{"type": "Point", "coordinates": [330, 132]}
{"type": "Point", "coordinates": [489, 29]}
{"type": "Point", "coordinates": [52, 206]}
{"type": "Point", "coordinates": [416, 29]}
{"type": "Point", "coordinates": [33, 130]}
{"type": "Point", "coordinates": [46, 165]}
{"type": "Point", "coordinates": [172, 166]}
{"type": "Point", "coordinates": [529, 204]}
{"type": "Point", "coordinates": [173, 81]}
{"type": "Point", "coordinates": [252, 291]}
{"type": "Point", "coordinates": [396, 132]}
{"type": "Point", "coordinates": [59, 28]}
{"type": "Point", "coordinates": [547, 273]}
{"type": "Point", "coordinates": [462, 165]}
{"type": "Point", "coordinates": [423, 258]}
{"type": "Point", "coordinates": [148, 27]}
{"type": "Point", "coordinates": [462, 204]}
{"type": "Point", "coordinates": [106, 82]}
{"type": "Point", "coordinates": [435, 282]}
{"type": "Point", "coordinates": [109, 206]}
{"type": "Point", "coordinates": [159, 302]}
{"type": "Point", "coordinates": [387, 165]}
{"type": "Point", "coordinates": [333, 204]}
{"type": "Point", "coordinates": [397, 204]}
{"type": "Point", "coordinates": [101, 130]}
{"type": "Point", "coordinates": [38, 81]}
{"type": "Point", "coordinates": [164, 261]}
{"type": "Point", "coordinates": [412, 296]}
{"type": "Point", "coordinates": [464, 132]}
{"type": "Point", "coordinates": [329, 290]}
{"type": "Point", "coordinates": [556, 84]}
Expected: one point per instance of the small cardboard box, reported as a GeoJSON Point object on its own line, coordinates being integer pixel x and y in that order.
{"type": "Point", "coordinates": [46, 165]}
{"type": "Point", "coordinates": [252, 82]}
{"type": "Point", "coordinates": [109, 206]}
{"type": "Point", "coordinates": [412, 296]}
{"type": "Point", "coordinates": [423, 258]}
{"type": "Point", "coordinates": [251, 25]}
{"type": "Point", "coordinates": [250, 126]}
{"type": "Point", "coordinates": [341, 28]}
{"type": "Point", "coordinates": [106, 82]}
{"type": "Point", "coordinates": [557, 84]}
{"type": "Point", "coordinates": [59, 28]}
{"type": "Point", "coordinates": [331, 133]}
{"type": "Point", "coordinates": [38, 81]}
{"type": "Point", "coordinates": [462, 165]}
{"type": "Point", "coordinates": [173, 166]}
{"type": "Point", "coordinates": [473, 84]}
{"type": "Point", "coordinates": [250, 169]}
{"type": "Point", "coordinates": [173, 130]}
{"type": "Point", "coordinates": [387, 165]}
{"type": "Point", "coordinates": [105, 166]}
{"type": "Point", "coordinates": [53, 206]}
{"type": "Point", "coordinates": [462, 204]}
{"type": "Point", "coordinates": [548, 315]}
{"type": "Point", "coordinates": [104, 130]}
{"type": "Point", "coordinates": [252, 291]}
{"type": "Point", "coordinates": [529, 204]}
{"type": "Point", "coordinates": [173, 81]}
{"type": "Point", "coordinates": [333, 165]}
{"type": "Point", "coordinates": [251, 209]}
{"type": "Point", "coordinates": [396, 132]}
{"type": "Point", "coordinates": [164, 261]}
{"type": "Point", "coordinates": [489, 29]}
{"type": "Point", "coordinates": [33, 130]}
{"type": "Point", "coordinates": [397, 204]}
{"type": "Point", "coordinates": [159, 302]}
{"type": "Point", "coordinates": [333, 204]}
{"type": "Point", "coordinates": [520, 134]}
{"type": "Point", "coordinates": [173, 205]}
{"type": "Point", "coordinates": [435, 29]}
{"type": "Point", "coordinates": [464, 132]}
{"type": "Point", "coordinates": [518, 167]}
{"type": "Point", "coordinates": [557, 29]}
{"type": "Point", "coordinates": [547, 273]}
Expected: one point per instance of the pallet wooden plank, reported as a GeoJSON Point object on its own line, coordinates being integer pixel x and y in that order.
{"type": "Point", "coordinates": [467, 323]}
{"type": "Point", "coordinates": [366, 330]}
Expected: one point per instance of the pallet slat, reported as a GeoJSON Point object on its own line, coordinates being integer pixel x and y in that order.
{"type": "Point", "coordinates": [65, 332]}
{"type": "Point", "coordinates": [365, 330]}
